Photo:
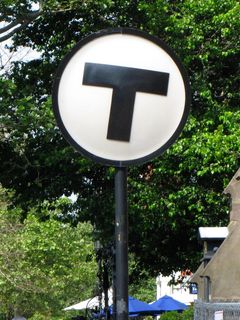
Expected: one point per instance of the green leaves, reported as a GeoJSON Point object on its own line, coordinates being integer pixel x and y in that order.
{"type": "Point", "coordinates": [49, 263]}
{"type": "Point", "coordinates": [174, 315]}
{"type": "Point", "coordinates": [214, 143]}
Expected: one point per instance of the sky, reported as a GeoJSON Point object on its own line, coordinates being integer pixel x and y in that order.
{"type": "Point", "coordinates": [7, 57]}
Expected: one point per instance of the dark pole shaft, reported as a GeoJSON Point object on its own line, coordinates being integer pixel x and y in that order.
{"type": "Point", "coordinates": [121, 234]}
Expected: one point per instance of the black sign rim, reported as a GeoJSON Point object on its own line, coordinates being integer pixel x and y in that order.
{"type": "Point", "coordinates": [128, 31]}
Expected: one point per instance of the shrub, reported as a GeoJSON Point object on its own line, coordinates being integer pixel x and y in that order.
{"type": "Point", "coordinates": [173, 315]}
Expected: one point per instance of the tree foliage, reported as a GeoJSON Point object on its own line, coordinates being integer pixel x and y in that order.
{"type": "Point", "coordinates": [44, 265]}
{"type": "Point", "coordinates": [174, 315]}
{"type": "Point", "coordinates": [173, 195]}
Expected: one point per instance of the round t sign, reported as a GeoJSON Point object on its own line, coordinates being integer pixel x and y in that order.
{"type": "Point", "coordinates": [121, 97]}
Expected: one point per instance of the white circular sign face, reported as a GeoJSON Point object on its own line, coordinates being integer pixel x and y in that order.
{"type": "Point", "coordinates": [121, 97]}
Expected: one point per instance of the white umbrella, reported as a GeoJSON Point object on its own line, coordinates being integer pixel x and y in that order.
{"type": "Point", "coordinates": [86, 304]}
{"type": "Point", "coordinates": [90, 303]}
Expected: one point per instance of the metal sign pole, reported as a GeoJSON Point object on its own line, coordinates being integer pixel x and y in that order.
{"type": "Point", "coordinates": [121, 239]}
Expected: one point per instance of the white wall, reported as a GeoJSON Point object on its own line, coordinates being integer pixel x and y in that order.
{"type": "Point", "coordinates": [179, 292]}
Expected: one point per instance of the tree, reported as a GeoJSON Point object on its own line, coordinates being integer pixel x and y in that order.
{"type": "Point", "coordinates": [15, 16]}
{"type": "Point", "coordinates": [170, 197]}
{"type": "Point", "coordinates": [45, 266]}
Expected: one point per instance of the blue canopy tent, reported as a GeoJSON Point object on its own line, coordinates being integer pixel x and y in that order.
{"type": "Point", "coordinates": [137, 308]}
{"type": "Point", "coordinates": [167, 303]}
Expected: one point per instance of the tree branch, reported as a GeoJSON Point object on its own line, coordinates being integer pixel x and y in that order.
{"type": "Point", "coordinates": [9, 26]}
{"type": "Point", "coordinates": [20, 23]}
{"type": "Point", "coordinates": [10, 34]}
